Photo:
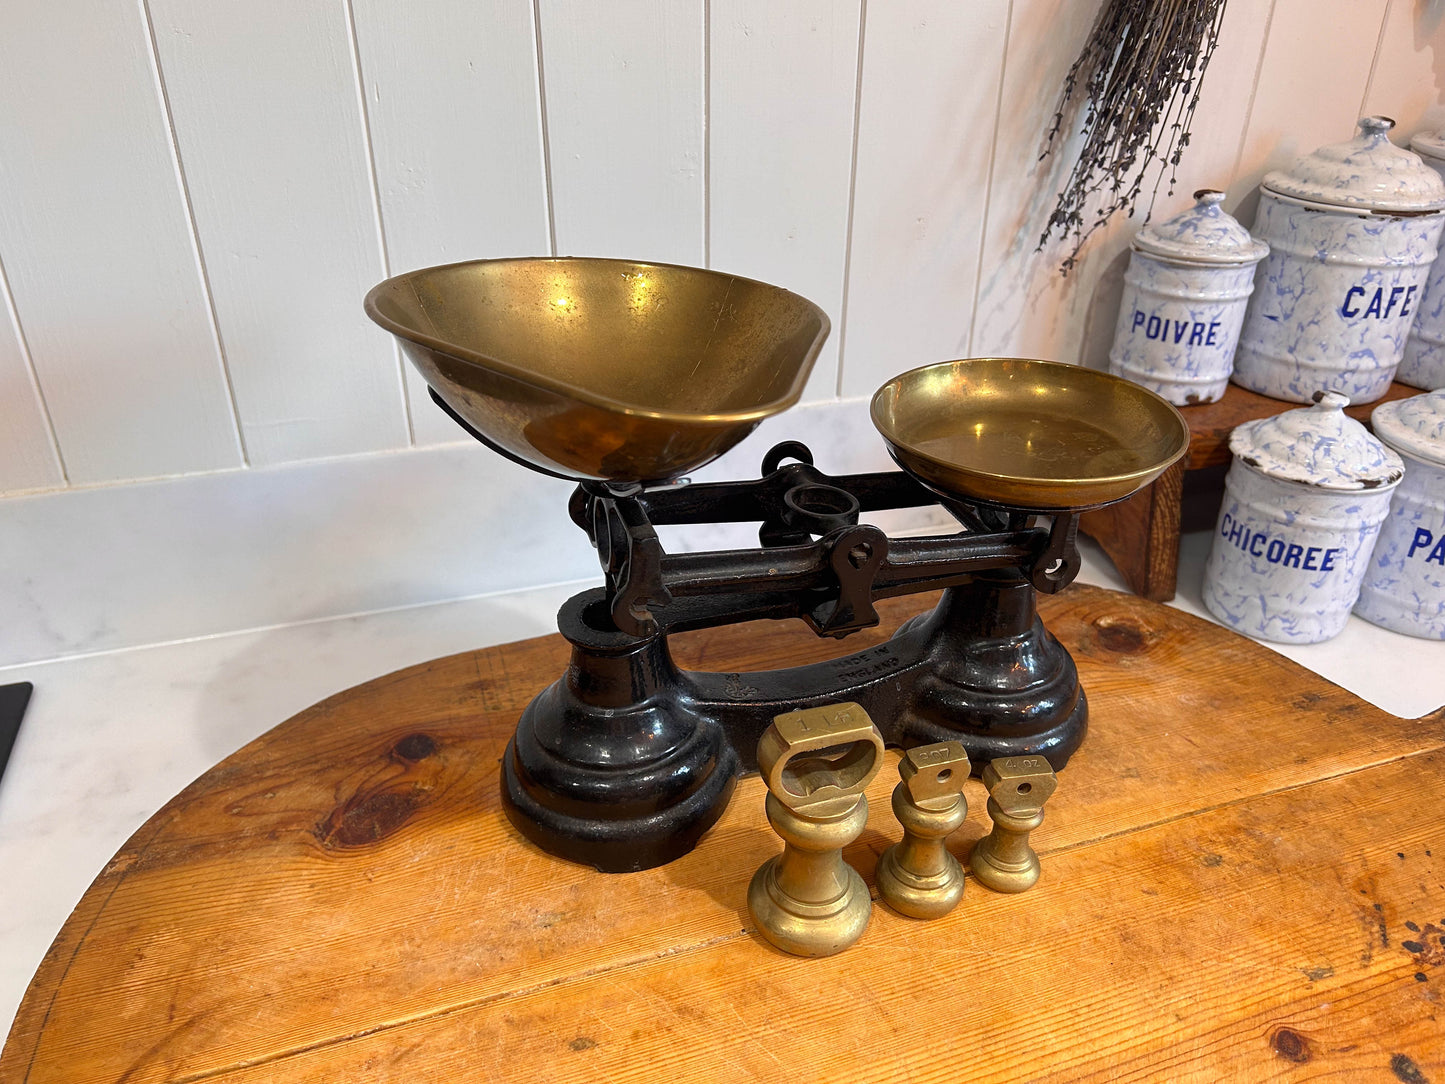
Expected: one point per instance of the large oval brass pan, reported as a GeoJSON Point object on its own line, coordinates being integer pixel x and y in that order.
{"type": "Point", "coordinates": [604, 369]}
{"type": "Point", "coordinates": [1028, 434]}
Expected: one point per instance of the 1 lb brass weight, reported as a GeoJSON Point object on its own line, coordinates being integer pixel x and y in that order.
{"type": "Point", "coordinates": [816, 763]}
{"type": "Point", "coordinates": [1018, 787]}
{"type": "Point", "coordinates": [918, 877]}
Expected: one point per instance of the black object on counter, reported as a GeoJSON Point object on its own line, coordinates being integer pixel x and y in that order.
{"type": "Point", "coordinates": [13, 700]}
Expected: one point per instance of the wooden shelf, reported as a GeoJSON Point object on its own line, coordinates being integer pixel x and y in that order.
{"type": "Point", "coordinates": [1141, 534]}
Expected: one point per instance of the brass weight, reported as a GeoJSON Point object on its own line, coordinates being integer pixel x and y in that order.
{"type": "Point", "coordinates": [918, 877]}
{"type": "Point", "coordinates": [816, 763]}
{"type": "Point", "coordinates": [1018, 787]}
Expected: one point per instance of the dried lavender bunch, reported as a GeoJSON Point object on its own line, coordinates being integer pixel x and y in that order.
{"type": "Point", "coordinates": [1138, 78]}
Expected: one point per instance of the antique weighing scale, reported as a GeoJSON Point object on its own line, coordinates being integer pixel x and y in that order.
{"type": "Point", "coordinates": [625, 376]}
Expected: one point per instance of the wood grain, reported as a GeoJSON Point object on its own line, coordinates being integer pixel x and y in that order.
{"type": "Point", "coordinates": [342, 899]}
{"type": "Point", "coordinates": [1225, 946]}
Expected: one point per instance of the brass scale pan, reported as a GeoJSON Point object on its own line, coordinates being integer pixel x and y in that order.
{"type": "Point", "coordinates": [625, 372]}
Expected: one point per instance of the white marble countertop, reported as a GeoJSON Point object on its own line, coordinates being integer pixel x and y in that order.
{"type": "Point", "coordinates": [110, 737]}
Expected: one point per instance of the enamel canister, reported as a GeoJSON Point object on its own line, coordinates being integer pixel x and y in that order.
{"type": "Point", "coordinates": [1404, 587]}
{"type": "Point", "coordinates": [1352, 231]}
{"type": "Point", "coordinates": [1423, 363]}
{"type": "Point", "coordinates": [1185, 292]}
{"type": "Point", "coordinates": [1303, 502]}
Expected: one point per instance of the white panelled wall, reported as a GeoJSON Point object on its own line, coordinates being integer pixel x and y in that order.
{"type": "Point", "coordinates": [199, 429]}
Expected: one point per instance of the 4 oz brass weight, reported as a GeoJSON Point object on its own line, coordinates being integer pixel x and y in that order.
{"type": "Point", "coordinates": [1018, 787]}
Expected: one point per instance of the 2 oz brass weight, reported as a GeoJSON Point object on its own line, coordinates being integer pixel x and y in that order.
{"type": "Point", "coordinates": [816, 762]}
{"type": "Point", "coordinates": [918, 877]}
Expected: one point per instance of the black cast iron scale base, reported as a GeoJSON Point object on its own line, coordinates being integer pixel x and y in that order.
{"type": "Point", "coordinates": [627, 760]}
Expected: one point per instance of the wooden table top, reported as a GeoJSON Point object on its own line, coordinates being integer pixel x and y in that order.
{"type": "Point", "coordinates": [1238, 884]}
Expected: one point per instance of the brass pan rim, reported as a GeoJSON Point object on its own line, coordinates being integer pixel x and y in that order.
{"type": "Point", "coordinates": [573, 391]}
{"type": "Point", "coordinates": [1106, 485]}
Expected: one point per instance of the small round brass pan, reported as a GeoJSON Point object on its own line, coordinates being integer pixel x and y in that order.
{"type": "Point", "coordinates": [609, 370]}
{"type": "Point", "coordinates": [1027, 434]}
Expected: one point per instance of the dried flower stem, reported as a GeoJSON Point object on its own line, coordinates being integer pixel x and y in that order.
{"type": "Point", "coordinates": [1139, 77]}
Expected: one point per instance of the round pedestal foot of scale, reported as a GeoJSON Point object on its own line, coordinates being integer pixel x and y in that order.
{"type": "Point", "coordinates": [1055, 741]}
{"type": "Point", "coordinates": [619, 838]}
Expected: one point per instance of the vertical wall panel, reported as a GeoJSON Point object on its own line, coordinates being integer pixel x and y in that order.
{"type": "Point", "coordinates": [624, 84]}
{"type": "Point", "coordinates": [268, 120]}
{"type": "Point", "coordinates": [783, 86]}
{"type": "Point", "coordinates": [456, 132]}
{"type": "Point", "coordinates": [27, 455]}
{"type": "Point", "coordinates": [1311, 83]}
{"type": "Point", "coordinates": [1224, 104]}
{"type": "Point", "coordinates": [113, 300]}
{"type": "Point", "coordinates": [1016, 312]}
{"type": "Point", "coordinates": [1409, 77]}
{"type": "Point", "coordinates": [97, 246]}
{"type": "Point", "coordinates": [926, 122]}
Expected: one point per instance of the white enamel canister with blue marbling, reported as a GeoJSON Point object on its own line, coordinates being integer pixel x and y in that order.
{"type": "Point", "coordinates": [1185, 292]}
{"type": "Point", "coordinates": [1304, 500]}
{"type": "Point", "coordinates": [1404, 587]}
{"type": "Point", "coordinates": [1423, 363]}
{"type": "Point", "coordinates": [1353, 230]}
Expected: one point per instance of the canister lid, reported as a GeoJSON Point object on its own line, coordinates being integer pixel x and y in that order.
{"type": "Point", "coordinates": [1414, 426]}
{"type": "Point", "coordinates": [1429, 144]}
{"type": "Point", "coordinates": [1318, 446]}
{"type": "Point", "coordinates": [1202, 234]}
{"type": "Point", "coordinates": [1367, 172]}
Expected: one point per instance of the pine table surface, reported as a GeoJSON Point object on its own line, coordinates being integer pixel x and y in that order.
{"type": "Point", "coordinates": [1238, 884]}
